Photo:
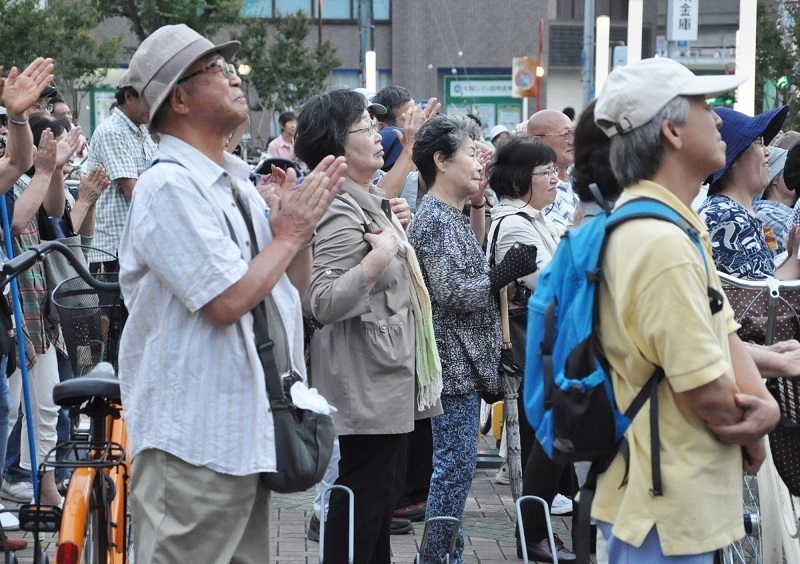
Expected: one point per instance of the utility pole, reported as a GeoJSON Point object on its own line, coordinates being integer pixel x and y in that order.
{"type": "Point", "coordinates": [365, 24]}
{"type": "Point", "coordinates": [587, 57]}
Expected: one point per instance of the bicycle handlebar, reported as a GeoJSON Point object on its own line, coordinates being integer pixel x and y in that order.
{"type": "Point", "coordinates": [765, 284]}
{"type": "Point", "coordinates": [19, 264]}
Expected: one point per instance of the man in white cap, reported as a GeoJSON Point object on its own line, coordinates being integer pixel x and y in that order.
{"type": "Point", "coordinates": [655, 311]}
{"type": "Point", "coordinates": [499, 135]}
{"type": "Point", "coordinates": [199, 253]}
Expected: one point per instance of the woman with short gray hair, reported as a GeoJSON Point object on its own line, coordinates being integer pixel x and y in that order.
{"type": "Point", "coordinates": [466, 316]}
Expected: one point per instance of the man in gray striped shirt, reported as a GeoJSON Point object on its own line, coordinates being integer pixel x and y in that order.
{"type": "Point", "coordinates": [193, 387]}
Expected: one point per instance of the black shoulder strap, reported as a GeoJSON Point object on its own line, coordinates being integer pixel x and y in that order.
{"type": "Point", "coordinates": [264, 344]}
{"type": "Point", "coordinates": [496, 230]}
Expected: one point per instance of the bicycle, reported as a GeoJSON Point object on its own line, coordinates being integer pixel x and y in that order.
{"type": "Point", "coordinates": [94, 524]}
{"type": "Point", "coordinates": [769, 311]}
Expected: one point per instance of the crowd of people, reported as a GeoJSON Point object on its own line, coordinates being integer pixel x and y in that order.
{"type": "Point", "coordinates": [395, 246]}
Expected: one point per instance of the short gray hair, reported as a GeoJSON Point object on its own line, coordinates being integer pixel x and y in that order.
{"type": "Point", "coordinates": [638, 154]}
{"type": "Point", "coordinates": [443, 134]}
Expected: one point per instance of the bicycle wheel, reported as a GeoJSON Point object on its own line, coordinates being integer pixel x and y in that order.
{"type": "Point", "coordinates": [748, 550]}
{"type": "Point", "coordinates": [95, 545]}
{"type": "Point", "coordinates": [83, 521]}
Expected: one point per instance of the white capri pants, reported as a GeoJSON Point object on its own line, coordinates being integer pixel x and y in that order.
{"type": "Point", "coordinates": [42, 378]}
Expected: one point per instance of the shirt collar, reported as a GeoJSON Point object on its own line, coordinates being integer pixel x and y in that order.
{"type": "Point", "coordinates": [649, 189]}
{"type": "Point", "coordinates": [374, 201]}
{"type": "Point", "coordinates": [139, 130]}
{"type": "Point", "coordinates": [204, 169]}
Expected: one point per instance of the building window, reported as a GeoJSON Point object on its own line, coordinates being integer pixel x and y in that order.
{"type": "Point", "coordinates": [380, 10]}
{"type": "Point", "coordinates": [566, 43]}
{"type": "Point", "coordinates": [287, 7]}
{"type": "Point", "coordinates": [331, 9]}
{"type": "Point", "coordinates": [257, 9]}
{"type": "Point", "coordinates": [334, 9]}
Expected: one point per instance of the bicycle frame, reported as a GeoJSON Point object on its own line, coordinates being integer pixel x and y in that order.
{"type": "Point", "coordinates": [105, 460]}
{"type": "Point", "coordinates": [77, 505]}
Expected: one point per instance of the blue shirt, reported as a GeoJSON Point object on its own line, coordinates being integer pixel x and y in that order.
{"type": "Point", "coordinates": [776, 216]}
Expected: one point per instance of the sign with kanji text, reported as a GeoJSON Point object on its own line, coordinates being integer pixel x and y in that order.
{"type": "Point", "coordinates": [682, 20]}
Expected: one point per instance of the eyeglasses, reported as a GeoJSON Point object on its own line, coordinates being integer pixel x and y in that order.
{"type": "Point", "coordinates": [758, 141]}
{"type": "Point", "coordinates": [227, 70]}
{"type": "Point", "coordinates": [549, 172]}
{"type": "Point", "coordinates": [566, 134]}
{"type": "Point", "coordinates": [371, 130]}
{"type": "Point", "coordinates": [42, 107]}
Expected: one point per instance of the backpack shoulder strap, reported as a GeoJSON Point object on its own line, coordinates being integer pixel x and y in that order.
{"type": "Point", "coordinates": [654, 209]}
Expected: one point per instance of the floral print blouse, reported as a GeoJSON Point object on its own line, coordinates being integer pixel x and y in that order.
{"type": "Point", "coordinates": [737, 239]}
{"type": "Point", "coordinates": [466, 315]}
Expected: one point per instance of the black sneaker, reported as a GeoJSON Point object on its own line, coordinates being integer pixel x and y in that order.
{"type": "Point", "coordinates": [313, 529]}
{"type": "Point", "coordinates": [401, 526]}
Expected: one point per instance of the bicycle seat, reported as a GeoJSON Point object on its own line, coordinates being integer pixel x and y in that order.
{"type": "Point", "coordinates": [100, 383]}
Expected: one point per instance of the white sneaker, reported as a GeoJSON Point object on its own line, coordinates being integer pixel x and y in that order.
{"type": "Point", "coordinates": [562, 505]}
{"type": "Point", "coordinates": [8, 520]}
{"type": "Point", "coordinates": [502, 475]}
{"type": "Point", "coordinates": [20, 492]}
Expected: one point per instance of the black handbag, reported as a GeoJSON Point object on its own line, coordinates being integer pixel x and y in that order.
{"type": "Point", "coordinates": [303, 439]}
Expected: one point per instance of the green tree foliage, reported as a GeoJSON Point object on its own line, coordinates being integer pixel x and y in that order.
{"type": "Point", "coordinates": [63, 31]}
{"type": "Point", "coordinates": [207, 17]}
{"type": "Point", "coordinates": [777, 56]}
{"type": "Point", "coordinates": [285, 69]}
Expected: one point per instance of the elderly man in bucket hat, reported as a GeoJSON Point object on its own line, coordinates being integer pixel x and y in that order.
{"type": "Point", "coordinates": [199, 252]}
{"type": "Point", "coordinates": [654, 311]}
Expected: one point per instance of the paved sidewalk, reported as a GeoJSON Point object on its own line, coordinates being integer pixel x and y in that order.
{"type": "Point", "coordinates": [488, 525]}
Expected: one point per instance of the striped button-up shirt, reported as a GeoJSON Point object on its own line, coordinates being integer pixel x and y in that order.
{"type": "Point", "coordinates": [125, 150]}
{"type": "Point", "coordinates": [191, 387]}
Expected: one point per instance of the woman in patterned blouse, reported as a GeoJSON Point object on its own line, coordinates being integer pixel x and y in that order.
{"type": "Point", "coordinates": [741, 244]}
{"type": "Point", "coordinates": [466, 316]}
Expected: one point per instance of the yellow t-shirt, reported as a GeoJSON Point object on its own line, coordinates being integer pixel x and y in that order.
{"type": "Point", "coordinates": [654, 310]}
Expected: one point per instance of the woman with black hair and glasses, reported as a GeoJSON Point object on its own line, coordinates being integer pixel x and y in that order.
{"type": "Point", "coordinates": [524, 177]}
{"type": "Point", "coordinates": [375, 356]}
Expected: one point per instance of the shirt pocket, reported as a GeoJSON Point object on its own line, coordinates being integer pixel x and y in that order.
{"type": "Point", "coordinates": [387, 347]}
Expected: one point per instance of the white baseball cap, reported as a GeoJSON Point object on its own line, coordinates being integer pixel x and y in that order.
{"type": "Point", "coordinates": [497, 130]}
{"type": "Point", "coordinates": [634, 93]}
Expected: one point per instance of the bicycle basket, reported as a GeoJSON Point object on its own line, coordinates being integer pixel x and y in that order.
{"type": "Point", "coordinates": [91, 322]}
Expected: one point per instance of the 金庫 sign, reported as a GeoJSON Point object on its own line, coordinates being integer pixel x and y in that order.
{"type": "Point", "coordinates": [682, 20]}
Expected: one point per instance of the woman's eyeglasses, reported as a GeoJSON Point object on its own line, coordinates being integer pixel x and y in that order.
{"type": "Point", "coordinates": [549, 172]}
{"type": "Point", "coordinates": [372, 129]}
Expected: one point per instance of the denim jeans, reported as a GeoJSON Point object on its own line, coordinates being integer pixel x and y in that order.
{"type": "Point", "coordinates": [455, 456]}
